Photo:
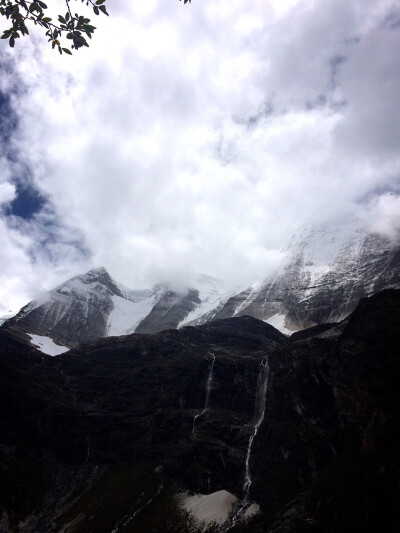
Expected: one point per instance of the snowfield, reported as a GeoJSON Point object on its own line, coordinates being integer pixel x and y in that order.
{"type": "Point", "coordinates": [47, 345]}
{"type": "Point", "coordinates": [212, 509]}
{"type": "Point", "coordinates": [127, 314]}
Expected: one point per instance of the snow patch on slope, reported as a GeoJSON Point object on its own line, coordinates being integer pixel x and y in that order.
{"type": "Point", "coordinates": [254, 288]}
{"type": "Point", "coordinates": [208, 509]}
{"type": "Point", "coordinates": [127, 314]}
{"type": "Point", "coordinates": [279, 322]}
{"type": "Point", "coordinates": [213, 509]}
{"type": "Point", "coordinates": [211, 294]}
{"type": "Point", "coordinates": [47, 345]}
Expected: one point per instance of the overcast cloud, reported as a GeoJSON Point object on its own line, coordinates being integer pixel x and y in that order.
{"type": "Point", "coordinates": [196, 138]}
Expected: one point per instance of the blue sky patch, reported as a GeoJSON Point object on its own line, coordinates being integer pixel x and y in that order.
{"type": "Point", "coordinates": [27, 202]}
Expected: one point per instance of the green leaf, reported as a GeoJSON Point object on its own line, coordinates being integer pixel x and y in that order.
{"type": "Point", "coordinates": [11, 42]}
{"type": "Point", "coordinates": [104, 10]}
{"type": "Point", "coordinates": [99, 2]}
{"type": "Point", "coordinates": [67, 51]}
{"type": "Point", "coordinates": [42, 4]}
{"type": "Point", "coordinates": [96, 10]}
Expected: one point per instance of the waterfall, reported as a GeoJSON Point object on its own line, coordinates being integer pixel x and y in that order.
{"type": "Point", "coordinates": [259, 411]}
{"type": "Point", "coordinates": [262, 383]}
{"type": "Point", "coordinates": [208, 390]}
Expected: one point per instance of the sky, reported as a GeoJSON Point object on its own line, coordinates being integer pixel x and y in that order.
{"type": "Point", "coordinates": [195, 138]}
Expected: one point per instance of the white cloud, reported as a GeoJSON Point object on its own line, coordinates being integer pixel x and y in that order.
{"type": "Point", "coordinates": [383, 216]}
{"type": "Point", "coordinates": [200, 137]}
{"type": "Point", "coordinates": [7, 192]}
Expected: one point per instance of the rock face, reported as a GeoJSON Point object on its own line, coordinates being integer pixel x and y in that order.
{"type": "Point", "coordinates": [169, 311]}
{"type": "Point", "coordinates": [326, 271]}
{"type": "Point", "coordinates": [331, 426]}
{"type": "Point", "coordinates": [129, 400]}
{"type": "Point", "coordinates": [100, 438]}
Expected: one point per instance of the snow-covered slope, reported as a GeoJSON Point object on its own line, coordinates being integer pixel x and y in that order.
{"type": "Point", "coordinates": [74, 312]}
{"type": "Point", "coordinates": [212, 296]}
{"type": "Point", "coordinates": [326, 270]}
{"type": "Point", "coordinates": [129, 310]}
{"type": "Point", "coordinates": [47, 345]}
{"type": "Point", "coordinates": [93, 305]}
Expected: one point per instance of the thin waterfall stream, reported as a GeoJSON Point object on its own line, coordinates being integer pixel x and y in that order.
{"type": "Point", "coordinates": [259, 411]}
{"type": "Point", "coordinates": [208, 390]}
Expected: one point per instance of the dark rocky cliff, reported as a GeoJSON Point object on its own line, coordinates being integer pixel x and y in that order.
{"type": "Point", "coordinates": [88, 435]}
{"type": "Point", "coordinates": [331, 428]}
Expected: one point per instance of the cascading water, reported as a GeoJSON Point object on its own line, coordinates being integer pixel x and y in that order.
{"type": "Point", "coordinates": [262, 384]}
{"type": "Point", "coordinates": [259, 411]}
{"type": "Point", "coordinates": [208, 390]}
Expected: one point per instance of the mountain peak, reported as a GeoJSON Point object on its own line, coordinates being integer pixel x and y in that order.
{"type": "Point", "coordinates": [93, 274]}
{"type": "Point", "coordinates": [98, 270]}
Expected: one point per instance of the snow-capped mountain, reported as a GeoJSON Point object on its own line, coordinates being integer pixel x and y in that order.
{"type": "Point", "coordinates": [93, 305]}
{"type": "Point", "coordinates": [325, 272]}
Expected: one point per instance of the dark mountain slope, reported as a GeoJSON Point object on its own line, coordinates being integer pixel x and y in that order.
{"type": "Point", "coordinates": [92, 436]}
{"type": "Point", "coordinates": [331, 427]}
{"type": "Point", "coordinates": [133, 400]}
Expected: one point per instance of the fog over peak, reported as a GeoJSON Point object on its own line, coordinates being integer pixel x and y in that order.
{"type": "Point", "coordinates": [196, 138]}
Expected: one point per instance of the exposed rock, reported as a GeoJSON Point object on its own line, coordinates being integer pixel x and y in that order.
{"type": "Point", "coordinates": [169, 311]}
{"type": "Point", "coordinates": [333, 406]}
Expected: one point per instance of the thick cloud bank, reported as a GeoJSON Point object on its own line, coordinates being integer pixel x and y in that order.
{"type": "Point", "coordinates": [196, 138]}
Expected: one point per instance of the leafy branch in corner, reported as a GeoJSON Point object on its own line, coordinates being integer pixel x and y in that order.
{"type": "Point", "coordinates": [72, 26]}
